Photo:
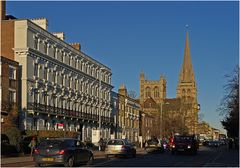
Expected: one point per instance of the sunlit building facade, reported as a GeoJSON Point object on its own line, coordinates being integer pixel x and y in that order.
{"type": "Point", "coordinates": [128, 116]}
{"type": "Point", "coordinates": [60, 83]}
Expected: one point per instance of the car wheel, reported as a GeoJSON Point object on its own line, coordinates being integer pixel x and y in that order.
{"type": "Point", "coordinates": [90, 160]}
{"type": "Point", "coordinates": [70, 162]}
{"type": "Point", "coordinates": [38, 165]}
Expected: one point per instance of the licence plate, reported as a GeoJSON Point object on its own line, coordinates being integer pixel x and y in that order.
{"type": "Point", "coordinates": [152, 145]}
{"type": "Point", "coordinates": [181, 149]}
{"type": "Point", "coordinates": [47, 159]}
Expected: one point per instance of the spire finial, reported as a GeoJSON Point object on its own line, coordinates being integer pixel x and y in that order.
{"type": "Point", "coordinates": [187, 27]}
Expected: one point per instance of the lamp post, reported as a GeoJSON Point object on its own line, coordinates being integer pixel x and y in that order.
{"type": "Point", "coordinates": [161, 121]}
{"type": "Point", "coordinates": [100, 121]}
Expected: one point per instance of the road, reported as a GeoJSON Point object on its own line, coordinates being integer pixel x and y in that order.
{"type": "Point", "coordinates": [206, 157]}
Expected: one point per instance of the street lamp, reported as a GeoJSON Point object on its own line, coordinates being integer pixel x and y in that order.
{"type": "Point", "coordinates": [99, 95]}
{"type": "Point", "coordinates": [161, 119]}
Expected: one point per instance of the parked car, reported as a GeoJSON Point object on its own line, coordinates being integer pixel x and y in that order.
{"type": "Point", "coordinates": [66, 151]}
{"type": "Point", "coordinates": [214, 143]}
{"type": "Point", "coordinates": [91, 146]}
{"type": "Point", "coordinates": [153, 145]}
{"type": "Point", "coordinates": [7, 149]}
{"type": "Point", "coordinates": [185, 143]}
{"type": "Point", "coordinates": [121, 147]}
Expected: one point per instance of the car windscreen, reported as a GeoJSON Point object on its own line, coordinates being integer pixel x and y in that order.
{"type": "Point", "coordinates": [115, 142]}
{"type": "Point", "coordinates": [183, 139]}
{"type": "Point", "coordinates": [51, 144]}
{"type": "Point", "coordinates": [152, 142]}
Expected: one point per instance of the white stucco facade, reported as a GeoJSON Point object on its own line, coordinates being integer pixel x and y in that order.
{"type": "Point", "coordinates": [60, 84]}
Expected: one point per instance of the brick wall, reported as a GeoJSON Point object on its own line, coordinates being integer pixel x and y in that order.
{"type": "Point", "coordinates": [7, 39]}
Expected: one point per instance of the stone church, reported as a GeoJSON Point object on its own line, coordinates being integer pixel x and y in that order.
{"type": "Point", "coordinates": [176, 115]}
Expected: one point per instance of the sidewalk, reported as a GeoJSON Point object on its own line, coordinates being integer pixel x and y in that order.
{"type": "Point", "coordinates": [28, 158]}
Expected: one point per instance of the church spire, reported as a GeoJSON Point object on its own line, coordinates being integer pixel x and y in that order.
{"type": "Point", "coordinates": [187, 74]}
{"type": "Point", "coordinates": [187, 84]}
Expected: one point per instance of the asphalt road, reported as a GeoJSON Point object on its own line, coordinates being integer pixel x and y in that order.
{"type": "Point", "coordinates": [206, 157]}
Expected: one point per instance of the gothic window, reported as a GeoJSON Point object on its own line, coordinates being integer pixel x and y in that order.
{"type": "Point", "coordinates": [183, 92]}
{"type": "Point", "coordinates": [189, 92]}
{"type": "Point", "coordinates": [156, 91]}
{"type": "Point", "coordinates": [148, 92]}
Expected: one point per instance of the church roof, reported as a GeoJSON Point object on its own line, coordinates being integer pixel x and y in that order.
{"type": "Point", "coordinates": [149, 103]}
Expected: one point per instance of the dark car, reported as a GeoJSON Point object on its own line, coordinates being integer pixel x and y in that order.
{"type": "Point", "coordinates": [214, 143]}
{"type": "Point", "coordinates": [91, 146]}
{"type": "Point", "coordinates": [153, 145]}
{"type": "Point", "coordinates": [6, 148]}
{"type": "Point", "coordinates": [185, 143]}
{"type": "Point", "coordinates": [66, 151]}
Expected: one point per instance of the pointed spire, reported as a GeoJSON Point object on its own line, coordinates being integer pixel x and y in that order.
{"type": "Point", "coordinates": [142, 76]}
{"type": "Point", "coordinates": [187, 74]}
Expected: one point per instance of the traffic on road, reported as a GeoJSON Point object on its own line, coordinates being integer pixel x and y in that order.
{"type": "Point", "coordinates": [71, 152]}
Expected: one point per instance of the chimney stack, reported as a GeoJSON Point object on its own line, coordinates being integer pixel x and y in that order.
{"type": "Point", "coordinates": [77, 46]}
{"type": "Point", "coordinates": [60, 35]}
{"type": "Point", "coordinates": [3, 9]}
{"type": "Point", "coordinates": [42, 22]}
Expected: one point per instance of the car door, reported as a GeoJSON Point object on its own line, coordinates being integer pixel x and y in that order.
{"type": "Point", "coordinates": [83, 152]}
{"type": "Point", "coordinates": [78, 151]}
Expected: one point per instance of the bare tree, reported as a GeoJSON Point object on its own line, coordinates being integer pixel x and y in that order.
{"type": "Point", "coordinates": [132, 94]}
{"type": "Point", "coordinates": [229, 106]}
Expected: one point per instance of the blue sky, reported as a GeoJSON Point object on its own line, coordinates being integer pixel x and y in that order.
{"type": "Point", "coordinates": [132, 36]}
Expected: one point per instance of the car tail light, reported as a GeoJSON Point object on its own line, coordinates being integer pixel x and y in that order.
{"type": "Point", "coordinates": [36, 151]}
{"type": "Point", "coordinates": [173, 146]}
{"type": "Point", "coordinates": [123, 147]}
{"type": "Point", "coordinates": [189, 146]}
{"type": "Point", "coordinates": [61, 152]}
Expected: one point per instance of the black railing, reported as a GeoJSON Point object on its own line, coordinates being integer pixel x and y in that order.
{"type": "Point", "coordinates": [46, 109]}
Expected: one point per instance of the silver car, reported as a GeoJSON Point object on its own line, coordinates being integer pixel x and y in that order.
{"type": "Point", "coordinates": [121, 147]}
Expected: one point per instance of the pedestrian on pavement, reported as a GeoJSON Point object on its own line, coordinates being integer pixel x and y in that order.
{"type": "Point", "coordinates": [32, 145]}
{"type": "Point", "coordinates": [100, 143]}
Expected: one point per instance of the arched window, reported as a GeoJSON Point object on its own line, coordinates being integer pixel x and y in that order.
{"type": "Point", "coordinates": [183, 92]}
{"type": "Point", "coordinates": [148, 92]}
{"type": "Point", "coordinates": [156, 91]}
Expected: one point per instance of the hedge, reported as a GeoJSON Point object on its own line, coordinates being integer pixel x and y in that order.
{"type": "Point", "coordinates": [51, 134]}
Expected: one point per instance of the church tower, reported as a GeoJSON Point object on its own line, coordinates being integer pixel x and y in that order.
{"type": "Point", "coordinates": [155, 89]}
{"type": "Point", "coordinates": [187, 85]}
{"type": "Point", "coordinates": [187, 92]}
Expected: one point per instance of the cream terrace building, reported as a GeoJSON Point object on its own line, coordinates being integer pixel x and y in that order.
{"type": "Point", "coordinates": [62, 88]}
{"type": "Point", "coordinates": [128, 116]}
